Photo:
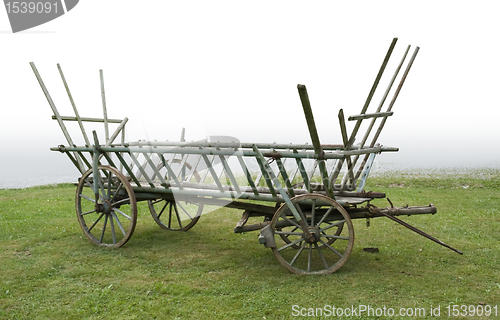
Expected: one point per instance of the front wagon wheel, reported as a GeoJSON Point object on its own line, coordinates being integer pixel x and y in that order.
{"type": "Point", "coordinates": [332, 235]}
{"type": "Point", "coordinates": [109, 218]}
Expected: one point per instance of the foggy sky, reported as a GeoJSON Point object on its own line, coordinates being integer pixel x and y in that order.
{"type": "Point", "coordinates": [231, 68]}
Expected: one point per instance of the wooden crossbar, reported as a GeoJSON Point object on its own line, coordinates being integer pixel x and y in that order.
{"type": "Point", "coordinates": [370, 115]}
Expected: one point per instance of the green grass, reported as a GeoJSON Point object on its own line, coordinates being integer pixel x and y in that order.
{"type": "Point", "coordinates": [49, 270]}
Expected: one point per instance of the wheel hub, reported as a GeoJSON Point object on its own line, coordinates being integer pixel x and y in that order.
{"type": "Point", "coordinates": [314, 235]}
{"type": "Point", "coordinates": [104, 207]}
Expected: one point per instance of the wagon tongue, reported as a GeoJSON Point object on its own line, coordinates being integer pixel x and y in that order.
{"type": "Point", "coordinates": [420, 232]}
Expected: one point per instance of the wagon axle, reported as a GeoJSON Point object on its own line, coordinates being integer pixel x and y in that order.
{"type": "Point", "coordinates": [104, 207]}
{"type": "Point", "coordinates": [312, 235]}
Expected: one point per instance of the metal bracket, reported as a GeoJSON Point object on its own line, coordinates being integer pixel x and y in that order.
{"type": "Point", "coordinates": [266, 237]}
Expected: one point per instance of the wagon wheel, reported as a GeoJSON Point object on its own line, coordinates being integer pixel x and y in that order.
{"type": "Point", "coordinates": [110, 220]}
{"type": "Point", "coordinates": [289, 238]}
{"type": "Point", "coordinates": [320, 255]}
{"type": "Point", "coordinates": [177, 213]}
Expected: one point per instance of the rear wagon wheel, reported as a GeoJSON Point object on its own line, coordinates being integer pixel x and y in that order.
{"type": "Point", "coordinates": [177, 213]}
{"type": "Point", "coordinates": [110, 219]}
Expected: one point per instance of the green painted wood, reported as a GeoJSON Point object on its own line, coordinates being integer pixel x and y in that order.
{"type": "Point", "coordinates": [141, 169]}
{"type": "Point", "coordinates": [262, 164]}
{"type": "Point", "coordinates": [247, 174]}
{"type": "Point", "coordinates": [230, 174]}
{"type": "Point", "coordinates": [128, 169]}
{"type": "Point", "coordinates": [155, 170]}
{"type": "Point", "coordinates": [278, 186]}
{"type": "Point", "coordinates": [370, 115]}
{"type": "Point", "coordinates": [213, 173]}
{"type": "Point", "coordinates": [85, 119]}
{"type": "Point", "coordinates": [284, 175]}
{"type": "Point", "coordinates": [372, 91]}
{"type": "Point", "coordinates": [171, 172]}
{"type": "Point", "coordinates": [303, 173]}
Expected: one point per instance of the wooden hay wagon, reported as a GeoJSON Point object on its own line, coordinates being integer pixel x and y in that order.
{"type": "Point", "coordinates": [306, 195]}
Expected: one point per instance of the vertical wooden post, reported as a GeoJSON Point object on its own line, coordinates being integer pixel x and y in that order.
{"type": "Point", "coordinates": [56, 113]}
{"type": "Point", "coordinates": [105, 112]}
{"type": "Point", "coordinates": [74, 106]}
{"type": "Point", "coordinates": [372, 123]}
{"type": "Point", "coordinates": [396, 94]}
{"type": "Point", "coordinates": [372, 91]}
{"type": "Point", "coordinates": [306, 105]}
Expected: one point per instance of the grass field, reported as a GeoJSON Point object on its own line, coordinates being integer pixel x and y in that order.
{"type": "Point", "coordinates": [49, 270]}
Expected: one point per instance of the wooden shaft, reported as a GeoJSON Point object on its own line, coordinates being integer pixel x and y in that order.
{"type": "Point", "coordinates": [105, 112]}
{"type": "Point", "coordinates": [57, 115]}
{"type": "Point", "coordinates": [372, 123]}
{"type": "Point", "coordinates": [396, 94]}
{"type": "Point", "coordinates": [372, 90]}
{"type": "Point", "coordinates": [74, 106]}
{"type": "Point", "coordinates": [306, 105]}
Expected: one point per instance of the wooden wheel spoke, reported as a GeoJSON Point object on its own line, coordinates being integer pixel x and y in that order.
{"type": "Point", "coordinates": [101, 187]}
{"type": "Point", "coordinates": [122, 213]}
{"type": "Point", "coordinates": [108, 176]}
{"type": "Point", "coordinates": [87, 198]}
{"type": "Point", "coordinates": [118, 223]}
{"type": "Point", "coordinates": [88, 183]}
{"type": "Point", "coordinates": [291, 221]}
{"type": "Point", "coordinates": [321, 255]}
{"type": "Point", "coordinates": [117, 191]}
{"type": "Point", "coordinates": [122, 201]}
{"type": "Point", "coordinates": [332, 236]}
{"type": "Point", "coordinates": [90, 229]}
{"type": "Point", "coordinates": [309, 257]}
{"type": "Point", "coordinates": [298, 253]}
{"type": "Point", "coordinates": [170, 215]}
{"type": "Point", "coordinates": [313, 212]}
{"type": "Point", "coordinates": [185, 211]}
{"type": "Point", "coordinates": [286, 234]}
{"type": "Point", "coordinates": [325, 215]}
{"type": "Point", "coordinates": [157, 201]}
{"type": "Point", "coordinates": [177, 214]}
{"type": "Point", "coordinates": [162, 209]}
{"type": "Point", "coordinates": [331, 225]}
{"type": "Point", "coordinates": [331, 248]}
{"type": "Point", "coordinates": [112, 228]}
{"type": "Point", "coordinates": [290, 244]}
{"type": "Point", "coordinates": [104, 228]}
{"type": "Point", "coordinates": [84, 213]}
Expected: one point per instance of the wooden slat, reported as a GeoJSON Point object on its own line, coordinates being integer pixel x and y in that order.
{"type": "Point", "coordinates": [370, 115]}
{"type": "Point", "coordinates": [83, 119]}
